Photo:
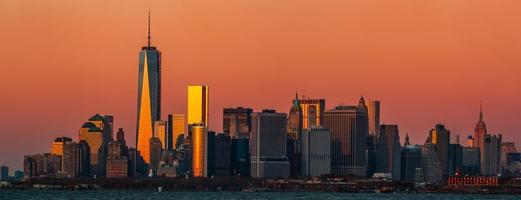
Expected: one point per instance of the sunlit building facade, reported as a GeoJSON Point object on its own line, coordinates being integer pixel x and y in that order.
{"type": "Point", "coordinates": [149, 96]}
{"type": "Point", "coordinates": [178, 121]}
{"type": "Point", "coordinates": [57, 145]}
{"type": "Point", "coordinates": [160, 132]}
{"type": "Point", "coordinates": [373, 113]}
{"type": "Point", "coordinates": [199, 150]}
{"type": "Point", "coordinates": [198, 104]}
{"type": "Point", "coordinates": [312, 112]}
{"type": "Point", "coordinates": [237, 122]}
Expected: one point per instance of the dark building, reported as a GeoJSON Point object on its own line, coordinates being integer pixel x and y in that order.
{"type": "Point", "coordinates": [237, 121]}
{"type": "Point", "coordinates": [170, 133]}
{"type": "Point", "coordinates": [455, 160]}
{"type": "Point", "coordinates": [492, 158]}
{"type": "Point", "coordinates": [211, 153]}
{"type": "Point", "coordinates": [392, 137]}
{"type": "Point", "coordinates": [155, 153]}
{"type": "Point", "coordinates": [4, 173]}
{"type": "Point", "coordinates": [349, 130]}
{"type": "Point", "coordinates": [268, 145]}
{"type": "Point", "coordinates": [240, 164]}
{"type": "Point", "coordinates": [440, 138]}
{"type": "Point", "coordinates": [223, 153]}
{"type": "Point", "coordinates": [84, 159]}
{"type": "Point", "coordinates": [410, 161]}
{"type": "Point", "coordinates": [471, 161]}
{"type": "Point", "coordinates": [371, 155]}
{"type": "Point", "coordinates": [513, 157]}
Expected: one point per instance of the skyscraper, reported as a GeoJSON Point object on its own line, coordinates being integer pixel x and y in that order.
{"type": "Point", "coordinates": [4, 173]}
{"type": "Point", "coordinates": [392, 137]}
{"type": "Point", "coordinates": [155, 153]}
{"type": "Point", "coordinates": [160, 132]}
{"type": "Point", "coordinates": [349, 130]}
{"type": "Point", "coordinates": [312, 112]}
{"type": "Point", "coordinates": [199, 150]}
{"type": "Point", "coordinates": [237, 122]}
{"type": "Point", "coordinates": [57, 145]}
{"type": "Point", "coordinates": [294, 127]}
{"type": "Point", "coordinates": [373, 113]}
{"type": "Point", "coordinates": [432, 171]}
{"type": "Point", "coordinates": [440, 138]}
{"type": "Point", "coordinates": [316, 151]}
{"type": "Point", "coordinates": [198, 105]}
{"type": "Point", "coordinates": [492, 155]}
{"type": "Point", "coordinates": [149, 95]}
{"type": "Point", "coordinates": [479, 134]}
{"type": "Point", "coordinates": [268, 145]}
{"type": "Point", "coordinates": [178, 121]}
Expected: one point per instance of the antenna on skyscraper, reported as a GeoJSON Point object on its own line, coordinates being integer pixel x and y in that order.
{"type": "Point", "coordinates": [148, 28]}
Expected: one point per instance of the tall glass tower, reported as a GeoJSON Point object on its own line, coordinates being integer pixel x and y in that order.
{"type": "Point", "coordinates": [149, 96]}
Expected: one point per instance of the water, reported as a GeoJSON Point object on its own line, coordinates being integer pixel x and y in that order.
{"type": "Point", "coordinates": [122, 194]}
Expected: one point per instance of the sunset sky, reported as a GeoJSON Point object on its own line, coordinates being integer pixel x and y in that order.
{"type": "Point", "coordinates": [428, 62]}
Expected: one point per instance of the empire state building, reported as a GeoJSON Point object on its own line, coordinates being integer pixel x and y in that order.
{"type": "Point", "coordinates": [149, 96]}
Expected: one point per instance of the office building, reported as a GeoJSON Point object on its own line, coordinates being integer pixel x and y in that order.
{"type": "Point", "coordinates": [506, 148]}
{"type": "Point", "coordinates": [149, 96]}
{"type": "Point", "coordinates": [492, 149]}
{"type": "Point", "coordinates": [4, 173]}
{"type": "Point", "coordinates": [440, 138]}
{"type": "Point", "coordinates": [392, 137]}
{"type": "Point", "coordinates": [237, 122]}
{"type": "Point", "coordinates": [294, 127]}
{"type": "Point", "coordinates": [480, 131]}
{"type": "Point", "coordinates": [312, 112]}
{"type": "Point", "coordinates": [349, 130]}
{"type": "Point", "coordinates": [97, 132]}
{"type": "Point", "coordinates": [432, 170]}
{"type": "Point", "coordinates": [178, 134]}
{"type": "Point", "coordinates": [199, 150]}
{"type": "Point", "coordinates": [316, 150]}
{"type": "Point", "coordinates": [373, 114]}
{"type": "Point", "coordinates": [410, 160]}
{"type": "Point", "coordinates": [240, 164]}
{"type": "Point", "coordinates": [160, 133]}
{"type": "Point", "coordinates": [222, 155]}
{"type": "Point", "coordinates": [455, 159]}
{"type": "Point", "coordinates": [57, 145]}
{"type": "Point", "coordinates": [198, 102]}
{"type": "Point", "coordinates": [471, 161]}
{"type": "Point", "coordinates": [371, 155]}
{"type": "Point", "coordinates": [268, 145]}
{"type": "Point", "coordinates": [117, 162]}
{"type": "Point", "coordinates": [155, 153]}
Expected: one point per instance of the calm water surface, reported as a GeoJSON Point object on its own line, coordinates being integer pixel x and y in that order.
{"type": "Point", "coordinates": [55, 194]}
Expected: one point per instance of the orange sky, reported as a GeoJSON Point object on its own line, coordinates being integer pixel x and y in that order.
{"type": "Point", "coordinates": [427, 61]}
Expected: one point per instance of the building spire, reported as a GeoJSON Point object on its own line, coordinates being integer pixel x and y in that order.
{"type": "Point", "coordinates": [480, 112]}
{"type": "Point", "coordinates": [148, 41]}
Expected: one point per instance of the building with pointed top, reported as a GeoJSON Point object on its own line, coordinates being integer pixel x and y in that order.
{"type": "Point", "coordinates": [149, 96]}
{"type": "Point", "coordinates": [480, 131]}
{"type": "Point", "coordinates": [294, 127]}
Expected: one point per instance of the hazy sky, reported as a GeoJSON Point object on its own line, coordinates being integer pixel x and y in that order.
{"type": "Point", "coordinates": [427, 61]}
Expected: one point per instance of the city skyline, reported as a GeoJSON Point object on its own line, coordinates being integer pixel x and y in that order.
{"type": "Point", "coordinates": [66, 113]}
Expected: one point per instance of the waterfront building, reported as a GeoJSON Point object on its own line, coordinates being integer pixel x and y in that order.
{"type": "Point", "coordinates": [316, 151]}
{"type": "Point", "coordinates": [198, 102]}
{"type": "Point", "coordinates": [373, 114]}
{"type": "Point", "coordinates": [237, 122]}
{"type": "Point", "coordinates": [117, 162]}
{"type": "Point", "coordinates": [155, 153]}
{"type": "Point", "coordinates": [392, 137]}
{"type": "Point", "coordinates": [492, 149]}
{"type": "Point", "coordinates": [4, 173]}
{"type": "Point", "coordinates": [410, 161]}
{"type": "Point", "coordinates": [440, 138]}
{"type": "Point", "coordinates": [199, 150]}
{"type": "Point", "coordinates": [222, 155]}
{"type": "Point", "coordinates": [70, 162]}
{"type": "Point", "coordinates": [471, 161]}
{"type": "Point", "coordinates": [312, 112]}
{"type": "Point", "coordinates": [149, 95]}
{"type": "Point", "coordinates": [160, 133]}
{"type": "Point", "coordinates": [349, 130]}
{"type": "Point", "coordinates": [268, 145]}
{"type": "Point", "coordinates": [97, 132]}
{"type": "Point", "coordinates": [455, 159]}
{"type": "Point", "coordinates": [432, 170]}
{"type": "Point", "coordinates": [41, 165]}
{"type": "Point", "coordinates": [240, 164]}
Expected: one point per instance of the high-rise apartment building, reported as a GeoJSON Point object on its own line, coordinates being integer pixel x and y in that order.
{"type": "Point", "coordinates": [349, 130]}
{"type": "Point", "coordinates": [149, 96]}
